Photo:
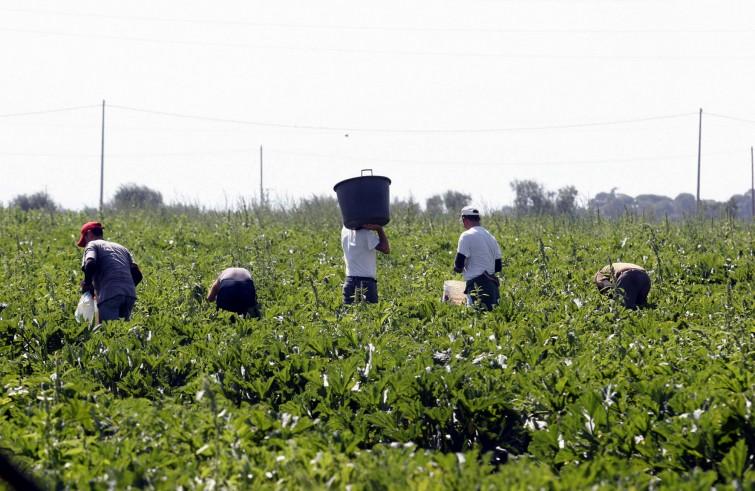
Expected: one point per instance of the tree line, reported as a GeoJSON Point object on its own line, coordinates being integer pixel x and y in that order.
{"type": "Point", "coordinates": [530, 198]}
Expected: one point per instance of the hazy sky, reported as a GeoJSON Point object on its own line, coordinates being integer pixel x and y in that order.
{"type": "Point", "coordinates": [435, 94]}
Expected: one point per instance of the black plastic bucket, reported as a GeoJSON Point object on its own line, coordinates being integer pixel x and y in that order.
{"type": "Point", "coordinates": [364, 199]}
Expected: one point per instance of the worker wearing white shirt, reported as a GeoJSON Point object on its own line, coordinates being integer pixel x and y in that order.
{"type": "Point", "coordinates": [359, 253]}
{"type": "Point", "coordinates": [478, 258]}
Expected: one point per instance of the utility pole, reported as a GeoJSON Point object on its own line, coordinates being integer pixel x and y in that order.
{"type": "Point", "coordinates": [262, 192]}
{"type": "Point", "coordinates": [699, 146]}
{"type": "Point", "coordinates": [102, 157]}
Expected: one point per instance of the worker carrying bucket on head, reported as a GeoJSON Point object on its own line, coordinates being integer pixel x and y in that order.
{"type": "Point", "coordinates": [365, 207]}
{"type": "Point", "coordinates": [478, 258]}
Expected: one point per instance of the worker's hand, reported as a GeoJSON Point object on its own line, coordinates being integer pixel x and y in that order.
{"type": "Point", "coordinates": [372, 226]}
{"type": "Point", "coordinates": [86, 287]}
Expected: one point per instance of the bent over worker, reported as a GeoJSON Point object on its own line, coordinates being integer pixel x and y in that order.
{"type": "Point", "coordinates": [630, 279]}
{"type": "Point", "coordinates": [110, 273]}
{"type": "Point", "coordinates": [234, 291]}
{"type": "Point", "coordinates": [478, 258]}
{"type": "Point", "coordinates": [359, 254]}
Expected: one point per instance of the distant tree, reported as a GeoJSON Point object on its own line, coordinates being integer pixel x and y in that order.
{"type": "Point", "coordinates": [612, 204]}
{"type": "Point", "coordinates": [711, 208]}
{"type": "Point", "coordinates": [740, 206]}
{"type": "Point", "coordinates": [745, 205]}
{"type": "Point", "coordinates": [566, 200]}
{"type": "Point", "coordinates": [731, 207]}
{"type": "Point", "coordinates": [36, 201]}
{"type": "Point", "coordinates": [654, 205]}
{"type": "Point", "coordinates": [133, 196]}
{"type": "Point", "coordinates": [409, 206]}
{"type": "Point", "coordinates": [406, 210]}
{"type": "Point", "coordinates": [685, 204]}
{"type": "Point", "coordinates": [454, 201]}
{"type": "Point", "coordinates": [530, 197]}
{"type": "Point", "coordinates": [434, 205]}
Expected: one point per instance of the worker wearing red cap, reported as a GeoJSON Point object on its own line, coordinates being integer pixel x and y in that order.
{"type": "Point", "coordinates": [110, 273]}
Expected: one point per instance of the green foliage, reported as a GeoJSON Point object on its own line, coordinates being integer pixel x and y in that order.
{"type": "Point", "coordinates": [557, 388]}
{"type": "Point", "coordinates": [134, 196]}
{"type": "Point", "coordinates": [450, 202]}
{"type": "Point", "coordinates": [36, 201]}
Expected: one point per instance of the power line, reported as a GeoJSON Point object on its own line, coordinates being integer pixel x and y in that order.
{"type": "Point", "coordinates": [733, 118]}
{"type": "Point", "coordinates": [398, 130]}
{"type": "Point", "coordinates": [210, 153]}
{"type": "Point", "coordinates": [382, 28]}
{"type": "Point", "coordinates": [46, 111]}
{"type": "Point", "coordinates": [503, 163]}
{"type": "Point", "coordinates": [49, 155]}
{"type": "Point", "coordinates": [464, 54]}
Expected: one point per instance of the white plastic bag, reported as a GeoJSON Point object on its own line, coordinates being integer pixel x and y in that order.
{"type": "Point", "coordinates": [453, 292]}
{"type": "Point", "coordinates": [86, 309]}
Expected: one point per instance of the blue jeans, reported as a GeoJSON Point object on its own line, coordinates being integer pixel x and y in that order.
{"type": "Point", "coordinates": [483, 290]}
{"type": "Point", "coordinates": [360, 289]}
{"type": "Point", "coordinates": [117, 307]}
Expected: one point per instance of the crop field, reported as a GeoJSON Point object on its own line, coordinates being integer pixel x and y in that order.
{"type": "Point", "coordinates": [558, 388]}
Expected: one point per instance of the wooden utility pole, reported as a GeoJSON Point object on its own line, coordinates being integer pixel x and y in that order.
{"type": "Point", "coordinates": [102, 157]}
{"type": "Point", "coordinates": [699, 146]}
{"type": "Point", "coordinates": [262, 192]}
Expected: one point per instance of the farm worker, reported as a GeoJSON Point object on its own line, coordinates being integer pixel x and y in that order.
{"type": "Point", "coordinates": [359, 248]}
{"type": "Point", "coordinates": [110, 273]}
{"type": "Point", "coordinates": [478, 258]}
{"type": "Point", "coordinates": [233, 290]}
{"type": "Point", "coordinates": [632, 280]}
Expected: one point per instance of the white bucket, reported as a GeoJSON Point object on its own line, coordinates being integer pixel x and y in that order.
{"type": "Point", "coordinates": [453, 292]}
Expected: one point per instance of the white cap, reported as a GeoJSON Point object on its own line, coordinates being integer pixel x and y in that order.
{"type": "Point", "coordinates": [469, 211]}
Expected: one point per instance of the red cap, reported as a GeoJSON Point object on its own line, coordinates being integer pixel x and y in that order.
{"type": "Point", "coordinates": [86, 228]}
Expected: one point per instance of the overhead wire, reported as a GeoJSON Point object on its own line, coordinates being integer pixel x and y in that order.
{"type": "Point", "coordinates": [48, 111]}
{"type": "Point", "coordinates": [381, 28]}
{"type": "Point", "coordinates": [503, 162]}
{"type": "Point", "coordinates": [465, 54]}
{"type": "Point", "coordinates": [377, 130]}
{"type": "Point", "coordinates": [400, 130]}
{"type": "Point", "coordinates": [732, 118]}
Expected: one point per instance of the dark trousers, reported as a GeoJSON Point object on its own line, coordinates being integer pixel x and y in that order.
{"type": "Point", "coordinates": [117, 307]}
{"type": "Point", "coordinates": [484, 290]}
{"type": "Point", "coordinates": [238, 296]}
{"type": "Point", "coordinates": [634, 286]}
{"type": "Point", "coordinates": [360, 289]}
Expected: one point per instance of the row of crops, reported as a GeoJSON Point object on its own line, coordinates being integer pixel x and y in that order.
{"type": "Point", "coordinates": [557, 388]}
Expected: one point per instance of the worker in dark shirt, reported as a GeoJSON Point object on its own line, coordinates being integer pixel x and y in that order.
{"type": "Point", "coordinates": [110, 273]}
{"type": "Point", "coordinates": [631, 280]}
{"type": "Point", "coordinates": [234, 291]}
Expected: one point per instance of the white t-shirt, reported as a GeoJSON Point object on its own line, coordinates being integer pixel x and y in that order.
{"type": "Point", "coordinates": [481, 250]}
{"type": "Point", "coordinates": [359, 252]}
